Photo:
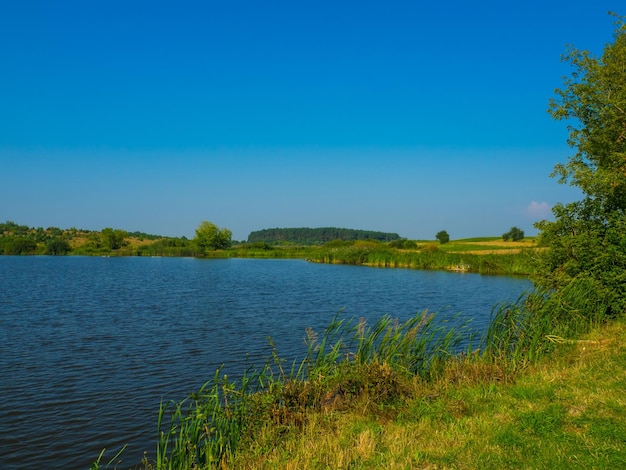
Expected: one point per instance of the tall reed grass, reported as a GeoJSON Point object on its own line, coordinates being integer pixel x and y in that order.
{"type": "Point", "coordinates": [206, 427]}
{"type": "Point", "coordinates": [351, 363]}
{"type": "Point", "coordinates": [521, 332]}
{"type": "Point", "coordinates": [347, 361]}
{"type": "Point", "coordinates": [428, 258]}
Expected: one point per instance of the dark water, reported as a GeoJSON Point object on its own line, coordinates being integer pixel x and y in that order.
{"type": "Point", "coordinates": [90, 346]}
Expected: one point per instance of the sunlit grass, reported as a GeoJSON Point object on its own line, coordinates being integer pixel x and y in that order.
{"type": "Point", "coordinates": [544, 388]}
{"type": "Point", "coordinates": [430, 257]}
{"type": "Point", "coordinates": [350, 365]}
{"type": "Point", "coordinates": [566, 411]}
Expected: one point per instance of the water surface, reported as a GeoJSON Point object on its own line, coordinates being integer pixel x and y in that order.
{"type": "Point", "coordinates": [89, 346]}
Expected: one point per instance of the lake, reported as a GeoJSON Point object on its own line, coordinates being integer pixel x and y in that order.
{"type": "Point", "coordinates": [90, 346]}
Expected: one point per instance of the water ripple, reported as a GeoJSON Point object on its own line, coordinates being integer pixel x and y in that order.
{"type": "Point", "coordinates": [90, 346]}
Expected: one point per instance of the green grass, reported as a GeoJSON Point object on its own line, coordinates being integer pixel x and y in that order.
{"type": "Point", "coordinates": [545, 390]}
{"type": "Point", "coordinates": [429, 257]}
{"type": "Point", "coordinates": [566, 411]}
{"type": "Point", "coordinates": [349, 362]}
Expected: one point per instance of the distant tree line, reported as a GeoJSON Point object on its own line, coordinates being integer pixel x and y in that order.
{"type": "Point", "coordinates": [314, 236]}
{"type": "Point", "coordinates": [18, 239]}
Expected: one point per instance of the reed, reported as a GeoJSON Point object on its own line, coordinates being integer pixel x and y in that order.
{"type": "Point", "coordinates": [205, 429]}
{"type": "Point", "coordinates": [348, 361]}
{"type": "Point", "coordinates": [564, 412]}
{"type": "Point", "coordinates": [113, 461]}
{"type": "Point", "coordinates": [521, 332]}
{"type": "Point", "coordinates": [429, 257]}
{"type": "Point", "coordinates": [352, 365]}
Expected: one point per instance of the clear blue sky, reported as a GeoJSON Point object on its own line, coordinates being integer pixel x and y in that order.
{"type": "Point", "coordinates": [408, 117]}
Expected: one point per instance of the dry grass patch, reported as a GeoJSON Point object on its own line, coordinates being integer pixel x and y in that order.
{"type": "Point", "coordinates": [519, 244]}
{"type": "Point", "coordinates": [493, 252]}
{"type": "Point", "coordinates": [489, 247]}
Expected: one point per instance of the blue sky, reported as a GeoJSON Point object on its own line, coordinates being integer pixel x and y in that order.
{"type": "Point", "coordinates": [408, 117]}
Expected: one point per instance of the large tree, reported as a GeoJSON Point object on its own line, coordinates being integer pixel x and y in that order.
{"type": "Point", "coordinates": [210, 237]}
{"type": "Point", "coordinates": [442, 236]}
{"type": "Point", "coordinates": [113, 239]}
{"type": "Point", "coordinates": [587, 240]}
{"type": "Point", "coordinates": [516, 234]}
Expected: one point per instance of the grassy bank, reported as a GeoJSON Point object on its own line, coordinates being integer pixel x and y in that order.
{"type": "Point", "coordinates": [566, 411]}
{"type": "Point", "coordinates": [485, 256]}
{"type": "Point", "coordinates": [488, 255]}
{"type": "Point", "coordinates": [542, 389]}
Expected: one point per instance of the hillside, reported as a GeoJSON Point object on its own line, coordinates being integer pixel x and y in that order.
{"type": "Point", "coordinates": [18, 239]}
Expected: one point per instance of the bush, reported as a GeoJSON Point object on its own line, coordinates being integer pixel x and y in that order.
{"type": "Point", "coordinates": [443, 237]}
{"type": "Point", "coordinates": [58, 246]}
{"type": "Point", "coordinates": [403, 244]}
{"type": "Point", "coordinates": [515, 234]}
{"type": "Point", "coordinates": [19, 246]}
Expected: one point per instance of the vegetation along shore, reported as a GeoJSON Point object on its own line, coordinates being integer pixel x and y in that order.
{"type": "Point", "coordinates": [487, 255]}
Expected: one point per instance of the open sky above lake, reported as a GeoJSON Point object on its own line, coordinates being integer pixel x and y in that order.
{"type": "Point", "coordinates": [400, 116]}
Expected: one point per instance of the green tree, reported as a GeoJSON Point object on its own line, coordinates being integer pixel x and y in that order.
{"type": "Point", "coordinates": [19, 246]}
{"type": "Point", "coordinates": [209, 237]}
{"type": "Point", "coordinates": [443, 237]}
{"type": "Point", "coordinates": [57, 246]}
{"type": "Point", "coordinates": [516, 234]}
{"type": "Point", "coordinates": [587, 241]}
{"type": "Point", "coordinates": [113, 239]}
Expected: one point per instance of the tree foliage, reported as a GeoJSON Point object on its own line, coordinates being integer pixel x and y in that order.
{"type": "Point", "coordinates": [113, 239]}
{"type": "Point", "coordinates": [515, 234]}
{"type": "Point", "coordinates": [403, 244]}
{"type": "Point", "coordinates": [209, 237]}
{"type": "Point", "coordinates": [58, 246]}
{"type": "Point", "coordinates": [442, 236]}
{"type": "Point", "coordinates": [593, 101]}
{"type": "Point", "coordinates": [11, 228]}
{"type": "Point", "coordinates": [21, 239]}
{"type": "Point", "coordinates": [17, 246]}
{"type": "Point", "coordinates": [314, 236]}
{"type": "Point", "coordinates": [587, 240]}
